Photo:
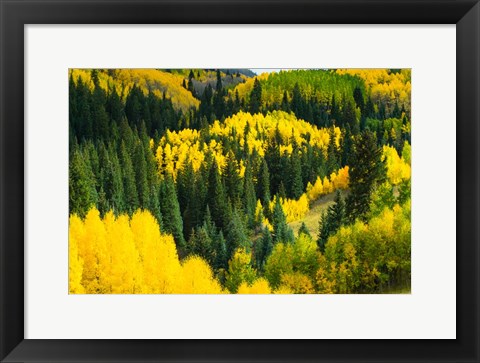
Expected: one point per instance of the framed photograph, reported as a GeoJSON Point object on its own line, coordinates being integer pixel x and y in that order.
{"type": "Point", "coordinates": [240, 181]}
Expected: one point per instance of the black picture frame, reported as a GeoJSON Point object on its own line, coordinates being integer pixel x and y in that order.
{"type": "Point", "coordinates": [16, 13]}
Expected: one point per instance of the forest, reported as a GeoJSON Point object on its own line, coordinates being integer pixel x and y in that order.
{"type": "Point", "coordinates": [219, 181]}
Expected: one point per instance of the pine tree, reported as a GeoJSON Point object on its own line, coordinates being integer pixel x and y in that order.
{"type": "Point", "coordinates": [281, 231]}
{"type": "Point", "coordinates": [358, 97]}
{"type": "Point", "coordinates": [331, 221]}
{"type": "Point", "coordinates": [349, 116]}
{"type": "Point", "coordinates": [115, 107]}
{"type": "Point", "coordinates": [332, 161]}
{"type": "Point", "coordinates": [297, 101]}
{"type": "Point", "coordinates": [237, 235]}
{"type": "Point", "coordinates": [233, 182]}
{"type": "Point", "coordinates": [140, 167]}
{"type": "Point", "coordinates": [295, 176]}
{"type": "Point", "coordinates": [249, 197]}
{"type": "Point", "coordinates": [200, 244]}
{"type": "Point", "coordinates": [221, 257]}
{"type": "Point", "coordinates": [323, 232]}
{"type": "Point", "coordinates": [171, 217]}
{"type": "Point", "coordinates": [366, 171]}
{"type": "Point", "coordinates": [263, 248]}
{"type": "Point", "coordinates": [255, 97]}
{"type": "Point", "coordinates": [129, 185]}
{"type": "Point", "coordinates": [263, 184]}
{"type": "Point", "coordinates": [304, 230]}
{"type": "Point", "coordinates": [347, 146]}
{"type": "Point", "coordinates": [285, 106]}
{"type": "Point", "coordinates": [82, 192]}
{"type": "Point", "coordinates": [217, 197]}
{"type": "Point", "coordinates": [282, 192]}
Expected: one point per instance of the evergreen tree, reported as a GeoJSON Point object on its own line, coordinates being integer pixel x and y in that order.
{"type": "Point", "coordinates": [233, 182]}
{"type": "Point", "coordinates": [285, 106]}
{"type": "Point", "coordinates": [297, 102]}
{"type": "Point", "coordinates": [281, 231]}
{"type": "Point", "coordinates": [366, 171]}
{"type": "Point", "coordinates": [129, 185]}
{"type": "Point", "coordinates": [256, 97]}
{"type": "Point", "coordinates": [332, 161]}
{"type": "Point", "coordinates": [263, 184]}
{"type": "Point", "coordinates": [99, 114]}
{"type": "Point", "coordinates": [358, 97]}
{"type": "Point", "coordinates": [295, 176]}
{"type": "Point", "coordinates": [171, 217]}
{"type": "Point", "coordinates": [217, 197]}
{"type": "Point", "coordinates": [237, 235]}
{"type": "Point", "coordinates": [282, 192]}
{"type": "Point", "coordinates": [331, 221]}
{"type": "Point", "coordinates": [140, 166]}
{"type": "Point", "coordinates": [200, 244]}
{"type": "Point", "coordinates": [115, 107]}
{"type": "Point", "coordinates": [82, 192]}
{"type": "Point", "coordinates": [221, 253]}
{"type": "Point", "coordinates": [349, 116]}
{"type": "Point", "coordinates": [249, 197]}
{"type": "Point", "coordinates": [304, 230]}
{"type": "Point", "coordinates": [347, 146]}
{"type": "Point", "coordinates": [263, 248]}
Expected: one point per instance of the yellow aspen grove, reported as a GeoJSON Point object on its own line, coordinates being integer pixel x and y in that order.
{"type": "Point", "coordinates": [397, 168]}
{"type": "Point", "coordinates": [178, 147]}
{"type": "Point", "coordinates": [340, 181]}
{"type": "Point", "coordinates": [125, 273]}
{"type": "Point", "coordinates": [259, 286]}
{"type": "Point", "coordinates": [316, 190]}
{"type": "Point", "coordinates": [158, 255]}
{"type": "Point", "coordinates": [197, 278]}
{"type": "Point", "coordinates": [118, 255]}
{"type": "Point", "coordinates": [93, 250]}
{"type": "Point", "coordinates": [75, 262]}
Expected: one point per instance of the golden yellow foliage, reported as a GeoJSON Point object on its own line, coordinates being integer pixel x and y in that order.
{"type": "Point", "coordinates": [75, 262]}
{"type": "Point", "coordinates": [397, 168]}
{"type": "Point", "coordinates": [118, 255]}
{"type": "Point", "coordinates": [259, 286]}
{"type": "Point", "coordinates": [336, 181]}
{"type": "Point", "coordinates": [283, 290]}
{"type": "Point", "coordinates": [197, 278]}
{"type": "Point", "coordinates": [298, 283]}
{"type": "Point", "coordinates": [177, 148]}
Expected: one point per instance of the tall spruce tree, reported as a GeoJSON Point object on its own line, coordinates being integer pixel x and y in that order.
{"type": "Point", "coordinates": [366, 171]}
{"type": "Point", "coordinates": [172, 219]}
{"type": "Point", "coordinates": [295, 175]}
{"type": "Point", "coordinates": [129, 185]}
{"type": "Point", "coordinates": [256, 97]}
{"type": "Point", "coordinates": [249, 197]}
{"type": "Point", "coordinates": [237, 235]}
{"type": "Point", "coordinates": [217, 199]}
{"type": "Point", "coordinates": [331, 221]}
{"type": "Point", "coordinates": [281, 231]}
{"type": "Point", "coordinates": [263, 184]}
{"type": "Point", "coordinates": [82, 191]}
